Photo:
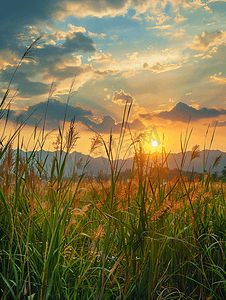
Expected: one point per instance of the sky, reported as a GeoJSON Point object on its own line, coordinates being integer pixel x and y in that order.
{"type": "Point", "coordinates": [167, 58]}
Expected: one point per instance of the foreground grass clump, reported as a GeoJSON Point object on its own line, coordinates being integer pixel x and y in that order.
{"type": "Point", "coordinates": [135, 239]}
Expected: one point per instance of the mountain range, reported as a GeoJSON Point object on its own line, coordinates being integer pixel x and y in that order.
{"type": "Point", "coordinates": [84, 163]}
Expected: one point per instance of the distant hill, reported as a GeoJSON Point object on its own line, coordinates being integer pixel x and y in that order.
{"type": "Point", "coordinates": [77, 161]}
{"type": "Point", "coordinates": [198, 162]}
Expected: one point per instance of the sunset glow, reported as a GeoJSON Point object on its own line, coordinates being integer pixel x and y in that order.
{"type": "Point", "coordinates": [154, 144]}
{"type": "Point", "coordinates": [166, 58]}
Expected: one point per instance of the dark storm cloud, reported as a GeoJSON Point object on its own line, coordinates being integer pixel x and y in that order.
{"type": "Point", "coordinates": [26, 87]}
{"type": "Point", "coordinates": [55, 113]}
{"type": "Point", "coordinates": [66, 72]}
{"type": "Point", "coordinates": [77, 42]}
{"type": "Point", "coordinates": [15, 15]}
{"type": "Point", "coordinates": [50, 62]}
{"type": "Point", "coordinates": [182, 112]}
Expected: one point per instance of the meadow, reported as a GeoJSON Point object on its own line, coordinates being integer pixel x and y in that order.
{"type": "Point", "coordinates": [111, 238]}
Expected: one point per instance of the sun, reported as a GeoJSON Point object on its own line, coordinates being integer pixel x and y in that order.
{"type": "Point", "coordinates": [154, 144]}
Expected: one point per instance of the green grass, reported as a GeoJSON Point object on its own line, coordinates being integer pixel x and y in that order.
{"type": "Point", "coordinates": [108, 239]}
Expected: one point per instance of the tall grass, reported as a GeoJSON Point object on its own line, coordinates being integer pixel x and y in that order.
{"type": "Point", "coordinates": [140, 238]}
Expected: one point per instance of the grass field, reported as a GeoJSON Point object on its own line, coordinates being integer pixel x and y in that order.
{"type": "Point", "coordinates": [140, 238]}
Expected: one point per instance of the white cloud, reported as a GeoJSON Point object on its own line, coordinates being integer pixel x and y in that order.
{"type": "Point", "coordinates": [206, 56]}
{"type": "Point", "coordinates": [165, 50]}
{"type": "Point", "coordinates": [159, 67]}
{"type": "Point", "coordinates": [132, 56]}
{"type": "Point", "coordinates": [62, 35]}
{"type": "Point", "coordinates": [160, 27]}
{"type": "Point", "coordinates": [136, 17]}
{"type": "Point", "coordinates": [198, 55]}
{"type": "Point", "coordinates": [149, 18]}
{"type": "Point", "coordinates": [218, 80]}
{"type": "Point", "coordinates": [113, 37]}
{"type": "Point", "coordinates": [207, 9]}
{"type": "Point", "coordinates": [207, 39]}
{"type": "Point", "coordinates": [76, 28]}
{"type": "Point", "coordinates": [179, 35]}
{"type": "Point", "coordinates": [108, 97]}
{"type": "Point", "coordinates": [130, 73]}
{"type": "Point", "coordinates": [101, 58]}
{"type": "Point", "coordinates": [179, 18]}
{"type": "Point", "coordinates": [161, 19]}
{"type": "Point", "coordinates": [99, 36]}
{"type": "Point", "coordinates": [121, 98]}
{"type": "Point", "coordinates": [213, 50]}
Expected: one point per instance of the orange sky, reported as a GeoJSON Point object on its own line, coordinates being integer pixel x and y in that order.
{"type": "Point", "coordinates": [167, 58]}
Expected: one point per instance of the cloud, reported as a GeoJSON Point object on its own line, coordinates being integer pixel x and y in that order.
{"type": "Point", "coordinates": [129, 73]}
{"type": "Point", "coordinates": [99, 36]}
{"type": "Point", "coordinates": [62, 35]}
{"type": "Point", "coordinates": [149, 18]}
{"type": "Point", "coordinates": [159, 67]}
{"type": "Point", "coordinates": [42, 12]}
{"type": "Point", "coordinates": [207, 39]}
{"type": "Point", "coordinates": [64, 72]}
{"type": "Point", "coordinates": [217, 79]}
{"type": "Point", "coordinates": [207, 9]}
{"type": "Point", "coordinates": [101, 58]}
{"type": "Point", "coordinates": [182, 112]}
{"type": "Point", "coordinates": [108, 97]}
{"type": "Point", "coordinates": [74, 42]}
{"type": "Point", "coordinates": [51, 60]}
{"type": "Point", "coordinates": [136, 17]}
{"type": "Point", "coordinates": [161, 19]}
{"type": "Point", "coordinates": [78, 42]}
{"type": "Point", "coordinates": [15, 16]}
{"type": "Point", "coordinates": [133, 56]}
{"type": "Point", "coordinates": [95, 8]}
{"type": "Point", "coordinates": [160, 27]}
{"type": "Point", "coordinates": [121, 98]}
{"type": "Point", "coordinates": [218, 123]}
{"type": "Point", "coordinates": [198, 55]}
{"type": "Point", "coordinates": [27, 88]}
{"type": "Point", "coordinates": [206, 56]}
{"type": "Point", "coordinates": [179, 18]}
{"type": "Point", "coordinates": [55, 113]}
{"type": "Point", "coordinates": [7, 59]}
{"type": "Point", "coordinates": [103, 8]}
{"type": "Point", "coordinates": [147, 116]}
{"type": "Point", "coordinates": [179, 35]}
{"type": "Point", "coordinates": [108, 123]}
{"type": "Point", "coordinates": [113, 37]}
{"type": "Point", "coordinates": [213, 50]}
{"type": "Point", "coordinates": [106, 72]}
